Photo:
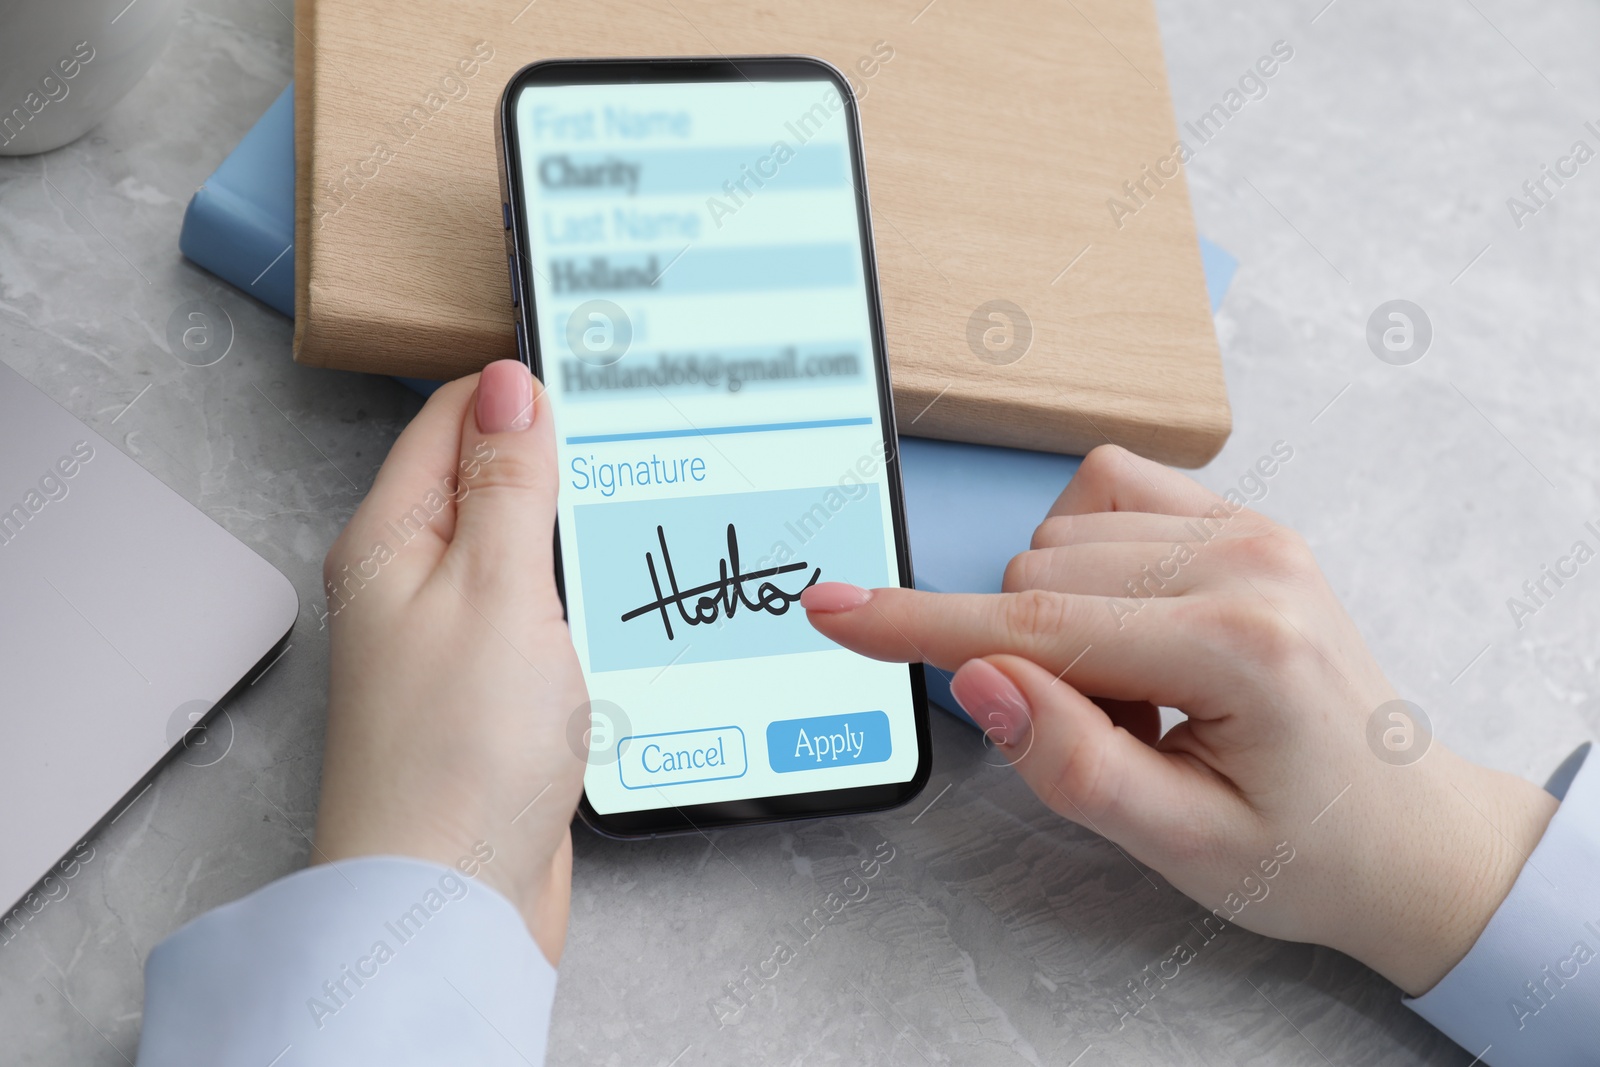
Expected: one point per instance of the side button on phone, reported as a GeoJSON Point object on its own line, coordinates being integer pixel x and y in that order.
{"type": "Point", "coordinates": [505, 213]}
{"type": "Point", "coordinates": [516, 288]}
{"type": "Point", "coordinates": [522, 349]}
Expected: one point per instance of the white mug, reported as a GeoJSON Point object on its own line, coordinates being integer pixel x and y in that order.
{"type": "Point", "coordinates": [64, 63]}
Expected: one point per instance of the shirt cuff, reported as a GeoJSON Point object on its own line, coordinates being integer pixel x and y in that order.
{"type": "Point", "coordinates": [374, 960]}
{"type": "Point", "coordinates": [1529, 991]}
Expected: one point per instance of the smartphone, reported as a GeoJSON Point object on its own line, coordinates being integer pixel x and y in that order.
{"type": "Point", "coordinates": [692, 275]}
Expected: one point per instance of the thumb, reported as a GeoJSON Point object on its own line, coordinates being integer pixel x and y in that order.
{"type": "Point", "coordinates": [1084, 767]}
{"type": "Point", "coordinates": [505, 520]}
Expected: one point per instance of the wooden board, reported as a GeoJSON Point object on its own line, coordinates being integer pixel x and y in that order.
{"type": "Point", "coordinates": [997, 134]}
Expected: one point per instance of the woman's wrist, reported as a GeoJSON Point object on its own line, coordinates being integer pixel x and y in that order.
{"type": "Point", "coordinates": [1461, 856]}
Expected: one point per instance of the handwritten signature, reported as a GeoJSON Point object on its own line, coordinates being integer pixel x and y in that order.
{"type": "Point", "coordinates": [722, 597]}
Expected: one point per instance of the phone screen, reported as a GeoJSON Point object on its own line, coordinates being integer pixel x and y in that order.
{"type": "Point", "coordinates": [704, 316]}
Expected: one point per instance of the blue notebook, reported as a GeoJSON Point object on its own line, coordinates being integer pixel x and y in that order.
{"type": "Point", "coordinates": [240, 224]}
{"type": "Point", "coordinates": [969, 508]}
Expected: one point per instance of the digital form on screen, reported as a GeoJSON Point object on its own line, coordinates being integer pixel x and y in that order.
{"type": "Point", "coordinates": [705, 336]}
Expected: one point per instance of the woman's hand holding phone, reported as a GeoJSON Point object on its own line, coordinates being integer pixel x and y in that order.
{"type": "Point", "coordinates": [453, 677]}
{"type": "Point", "coordinates": [1230, 621]}
{"type": "Point", "coordinates": [454, 683]}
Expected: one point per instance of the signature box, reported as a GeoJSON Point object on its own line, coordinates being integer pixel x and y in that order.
{"type": "Point", "coordinates": [705, 578]}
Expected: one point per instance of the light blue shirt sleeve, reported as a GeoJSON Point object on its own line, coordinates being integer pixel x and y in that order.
{"type": "Point", "coordinates": [1528, 994]}
{"type": "Point", "coordinates": [374, 960]}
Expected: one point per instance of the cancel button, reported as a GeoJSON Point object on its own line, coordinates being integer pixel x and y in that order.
{"type": "Point", "coordinates": [681, 757]}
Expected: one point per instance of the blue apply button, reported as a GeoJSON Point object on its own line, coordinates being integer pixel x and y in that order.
{"type": "Point", "coordinates": [828, 741]}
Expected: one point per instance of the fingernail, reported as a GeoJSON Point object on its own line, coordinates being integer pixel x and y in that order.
{"type": "Point", "coordinates": [993, 701]}
{"type": "Point", "coordinates": [505, 397]}
{"type": "Point", "coordinates": [828, 597]}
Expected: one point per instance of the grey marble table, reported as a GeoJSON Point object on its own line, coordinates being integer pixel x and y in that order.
{"type": "Point", "coordinates": [1377, 166]}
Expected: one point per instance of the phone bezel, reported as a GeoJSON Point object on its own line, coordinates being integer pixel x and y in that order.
{"type": "Point", "coordinates": [652, 822]}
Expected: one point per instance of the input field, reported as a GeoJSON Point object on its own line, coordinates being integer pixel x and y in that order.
{"type": "Point", "coordinates": [715, 431]}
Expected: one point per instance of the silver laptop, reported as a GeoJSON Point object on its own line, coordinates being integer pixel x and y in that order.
{"type": "Point", "coordinates": [125, 616]}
